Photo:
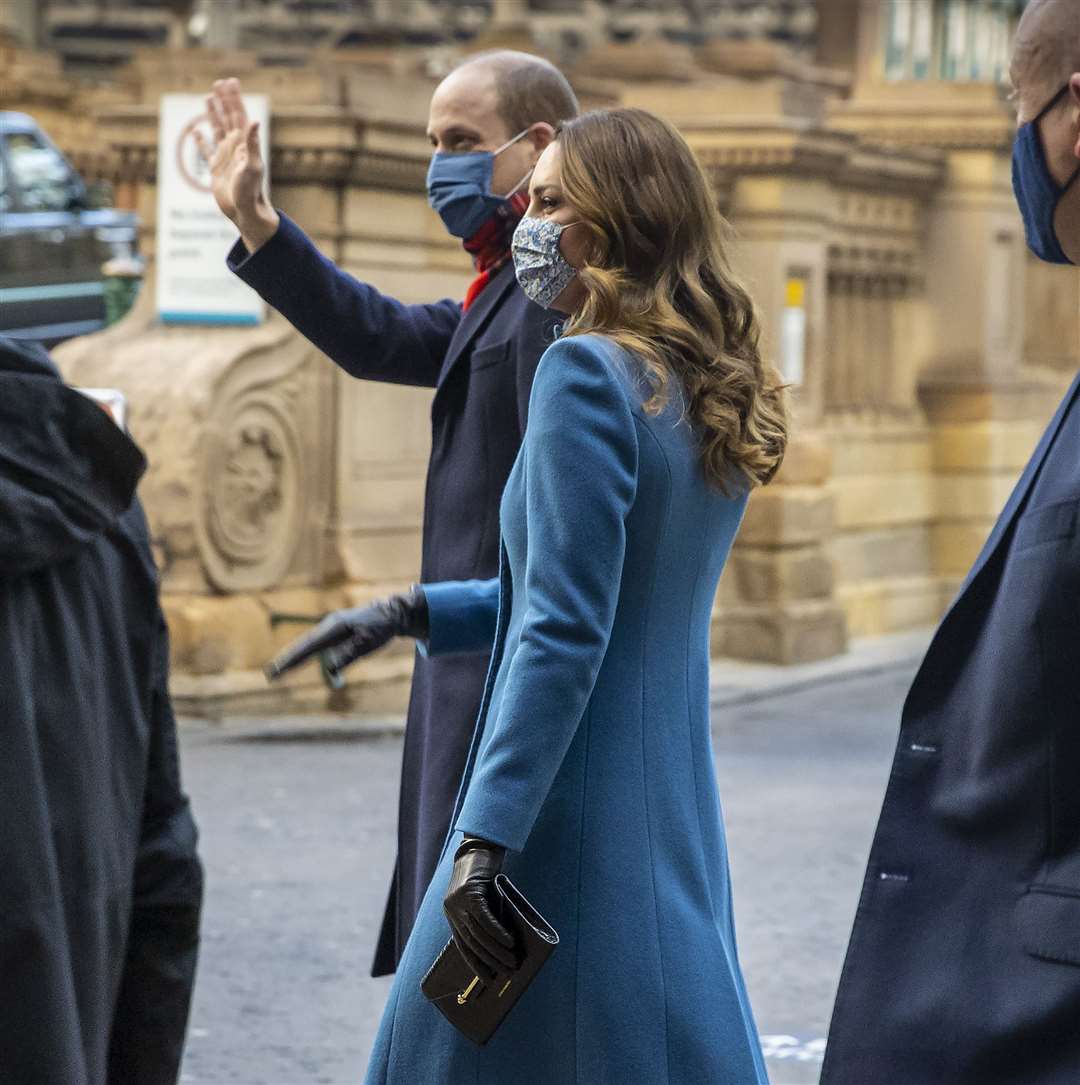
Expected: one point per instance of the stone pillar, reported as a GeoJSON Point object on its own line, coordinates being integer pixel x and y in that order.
{"type": "Point", "coordinates": [985, 415]}
{"type": "Point", "coordinates": [976, 263]}
{"type": "Point", "coordinates": [984, 427]}
{"type": "Point", "coordinates": [837, 33]}
{"type": "Point", "coordinates": [962, 338]}
{"type": "Point", "coordinates": [1052, 325]}
{"type": "Point", "coordinates": [777, 598]}
{"type": "Point", "coordinates": [777, 602]}
{"type": "Point", "coordinates": [986, 407]}
{"type": "Point", "coordinates": [221, 26]}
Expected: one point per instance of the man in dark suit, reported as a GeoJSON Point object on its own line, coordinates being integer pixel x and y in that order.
{"type": "Point", "coordinates": [964, 963]}
{"type": "Point", "coordinates": [489, 121]}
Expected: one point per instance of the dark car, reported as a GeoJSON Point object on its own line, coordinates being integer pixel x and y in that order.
{"type": "Point", "coordinates": [54, 239]}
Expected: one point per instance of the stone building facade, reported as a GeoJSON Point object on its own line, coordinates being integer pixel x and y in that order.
{"type": "Point", "coordinates": [97, 36]}
{"type": "Point", "coordinates": [861, 150]}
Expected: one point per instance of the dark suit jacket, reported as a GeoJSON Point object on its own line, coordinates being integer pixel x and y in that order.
{"type": "Point", "coordinates": [964, 963]}
{"type": "Point", "coordinates": [481, 365]}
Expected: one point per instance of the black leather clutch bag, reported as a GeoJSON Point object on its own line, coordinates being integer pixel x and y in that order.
{"type": "Point", "coordinates": [471, 1007]}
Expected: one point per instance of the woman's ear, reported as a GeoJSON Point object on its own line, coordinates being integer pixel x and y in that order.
{"type": "Point", "coordinates": [579, 245]}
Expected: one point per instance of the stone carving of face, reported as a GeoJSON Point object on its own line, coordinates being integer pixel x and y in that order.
{"type": "Point", "coordinates": [252, 483]}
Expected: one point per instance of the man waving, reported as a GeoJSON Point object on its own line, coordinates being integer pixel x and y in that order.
{"type": "Point", "coordinates": [489, 121]}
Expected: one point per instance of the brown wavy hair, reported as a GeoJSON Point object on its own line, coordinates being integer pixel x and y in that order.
{"type": "Point", "coordinates": [658, 283]}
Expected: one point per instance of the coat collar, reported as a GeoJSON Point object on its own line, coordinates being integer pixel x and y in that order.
{"type": "Point", "coordinates": [476, 317]}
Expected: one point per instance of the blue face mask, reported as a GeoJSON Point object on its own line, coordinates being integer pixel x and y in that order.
{"type": "Point", "coordinates": [1037, 193]}
{"type": "Point", "coordinates": [459, 188]}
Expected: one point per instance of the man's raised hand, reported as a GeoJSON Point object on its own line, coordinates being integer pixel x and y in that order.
{"type": "Point", "coordinates": [237, 169]}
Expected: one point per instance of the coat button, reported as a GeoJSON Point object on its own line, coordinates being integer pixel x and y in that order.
{"type": "Point", "coordinates": [926, 749]}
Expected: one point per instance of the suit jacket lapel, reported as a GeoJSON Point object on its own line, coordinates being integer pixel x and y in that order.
{"type": "Point", "coordinates": [1020, 493]}
{"type": "Point", "coordinates": [476, 317]}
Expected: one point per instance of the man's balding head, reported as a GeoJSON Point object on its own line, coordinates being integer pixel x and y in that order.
{"type": "Point", "coordinates": [1046, 53]}
{"type": "Point", "coordinates": [527, 88]}
{"type": "Point", "coordinates": [492, 97]}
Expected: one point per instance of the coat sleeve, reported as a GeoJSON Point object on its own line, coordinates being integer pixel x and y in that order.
{"type": "Point", "coordinates": [150, 1019]}
{"type": "Point", "coordinates": [461, 616]}
{"type": "Point", "coordinates": [365, 332]}
{"type": "Point", "coordinates": [580, 481]}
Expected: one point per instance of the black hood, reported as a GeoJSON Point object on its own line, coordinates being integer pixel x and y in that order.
{"type": "Point", "coordinates": [18, 356]}
{"type": "Point", "coordinates": [67, 472]}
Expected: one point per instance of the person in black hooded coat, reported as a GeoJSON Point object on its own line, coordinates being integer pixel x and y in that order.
{"type": "Point", "coordinates": [100, 884]}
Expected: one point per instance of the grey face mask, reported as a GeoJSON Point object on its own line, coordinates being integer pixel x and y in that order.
{"type": "Point", "coordinates": [539, 264]}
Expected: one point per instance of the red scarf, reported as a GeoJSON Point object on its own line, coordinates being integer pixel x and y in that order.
{"type": "Point", "coordinates": [490, 245]}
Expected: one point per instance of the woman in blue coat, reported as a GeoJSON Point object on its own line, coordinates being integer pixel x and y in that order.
{"type": "Point", "coordinates": [590, 782]}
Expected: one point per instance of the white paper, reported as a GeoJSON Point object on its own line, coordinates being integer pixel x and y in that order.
{"type": "Point", "coordinates": [793, 344]}
{"type": "Point", "coordinates": [113, 400]}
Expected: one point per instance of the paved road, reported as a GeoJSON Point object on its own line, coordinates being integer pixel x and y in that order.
{"type": "Point", "coordinates": [297, 839]}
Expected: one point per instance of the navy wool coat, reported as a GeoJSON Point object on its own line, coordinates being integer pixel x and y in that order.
{"type": "Point", "coordinates": [481, 364]}
{"type": "Point", "coordinates": [100, 884]}
{"type": "Point", "coordinates": [964, 963]}
{"type": "Point", "coordinates": [592, 759]}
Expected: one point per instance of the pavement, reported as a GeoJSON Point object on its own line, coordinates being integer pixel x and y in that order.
{"type": "Point", "coordinates": [732, 682]}
{"type": "Point", "coordinates": [735, 682]}
{"type": "Point", "coordinates": [297, 818]}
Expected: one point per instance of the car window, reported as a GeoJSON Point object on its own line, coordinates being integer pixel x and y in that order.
{"type": "Point", "coordinates": [39, 172]}
{"type": "Point", "coordinates": [5, 196]}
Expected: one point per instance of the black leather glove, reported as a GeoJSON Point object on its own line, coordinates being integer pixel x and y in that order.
{"type": "Point", "coordinates": [486, 945]}
{"type": "Point", "coordinates": [344, 636]}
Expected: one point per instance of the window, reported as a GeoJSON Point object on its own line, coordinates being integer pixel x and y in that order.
{"type": "Point", "coordinates": [976, 36]}
{"type": "Point", "coordinates": [39, 172]}
{"type": "Point", "coordinates": [5, 197]}
{"type": "Point", "coordinates": [959, 41]}
{"type": "Point", "coordinates": [956, 40]}
{"type": "Point", "coordinates": [909, 39]}
{"type": "Point", "coordinates": [922, 38]}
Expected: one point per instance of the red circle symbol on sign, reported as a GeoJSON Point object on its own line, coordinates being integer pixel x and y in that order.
{"type": "Point", "coordinates": [193, 167]}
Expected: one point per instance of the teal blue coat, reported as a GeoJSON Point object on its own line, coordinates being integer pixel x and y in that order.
{"type": "Point", "coordinates": [592, 761]}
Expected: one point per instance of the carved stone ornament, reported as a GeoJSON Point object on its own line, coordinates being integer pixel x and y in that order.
{"type": "Point", "coordinates": [253, 471]}
{"type": "Point", "coordinates": [248, 494]}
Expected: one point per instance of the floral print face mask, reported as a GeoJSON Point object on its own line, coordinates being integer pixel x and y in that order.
{"type": "Point", "coordinates": [539, 264]}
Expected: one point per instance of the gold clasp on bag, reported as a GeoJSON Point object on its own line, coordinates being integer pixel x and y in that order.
{"type": "Point", "coordinates": [464, 996]}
